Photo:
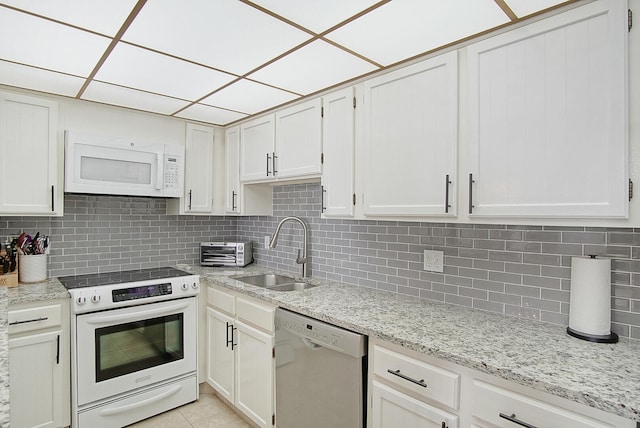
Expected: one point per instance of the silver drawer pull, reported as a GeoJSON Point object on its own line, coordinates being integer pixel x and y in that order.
{"type": "Point", "coordinates": [28, 321]}
{"type": "Point", "coordinates": [420, 382]}
{"type": "Point", "coordinates": [513, 419]}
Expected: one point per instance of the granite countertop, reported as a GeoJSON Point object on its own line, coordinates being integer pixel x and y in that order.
{"type": "Point", "coordinates": [535, 354]}
{"type": "Point", "coordinates": [541, 356]}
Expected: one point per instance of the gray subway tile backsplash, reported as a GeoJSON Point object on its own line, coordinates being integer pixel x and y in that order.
{"type": "Point", "coordinates": [517, 270]}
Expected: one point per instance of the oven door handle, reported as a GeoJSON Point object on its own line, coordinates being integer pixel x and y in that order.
{"type": "Point", "coordinates": [136, 316]}
{"type": "Point", "coordinates": [127, 407]}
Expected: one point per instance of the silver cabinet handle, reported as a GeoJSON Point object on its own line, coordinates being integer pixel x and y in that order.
{"type": "Point", "coordinates": [28, 321]}
{"type": "Point", "coordinates": [420, 382]}
{"type": "Point", "coordinates": [273, 162]}
{"type": "Point", "coordinates": [268, 159]}
{"type": "Point", "coordinates": [471, 181]}
{"type": "Point", "coordinates": [233, 200]}
{"type": "Point", "coordinates": [447, 183]}
{"type": "Point", "coordinates": [190, 192]}
{"type": "Point", "coordinates": [322, 192]}
{"type": "Point", "coordinates": [512, 418]}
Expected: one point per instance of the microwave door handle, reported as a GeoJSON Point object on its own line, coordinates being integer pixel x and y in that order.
{"type": "Point", "coordinates": [159, 178]}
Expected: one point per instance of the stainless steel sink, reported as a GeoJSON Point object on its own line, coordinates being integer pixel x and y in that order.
{"type": "Point", "coordinates": [275, 282]}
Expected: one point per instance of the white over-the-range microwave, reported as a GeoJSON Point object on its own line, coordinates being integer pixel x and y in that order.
{"type": "Point", "coordinates": [121, 166]}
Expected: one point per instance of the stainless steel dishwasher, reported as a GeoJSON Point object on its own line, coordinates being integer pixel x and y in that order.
{"type": "Point", "coordinates": [321, 374]}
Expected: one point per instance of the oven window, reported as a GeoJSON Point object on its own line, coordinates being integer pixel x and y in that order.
{"type": "Point", "coordinates": [131, 347]}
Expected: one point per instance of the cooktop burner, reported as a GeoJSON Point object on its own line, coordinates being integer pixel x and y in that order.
{"type": "Point", "coordinates": [109, 278]}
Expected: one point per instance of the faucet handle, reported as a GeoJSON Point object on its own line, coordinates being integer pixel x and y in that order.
{"type": "Point", "coordinates": [300, 260]}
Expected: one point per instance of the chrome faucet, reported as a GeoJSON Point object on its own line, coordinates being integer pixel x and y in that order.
{"type": "Point", "coordinates": [299, 260]}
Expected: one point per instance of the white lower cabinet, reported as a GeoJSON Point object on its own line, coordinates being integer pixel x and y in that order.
{"type": "Point", "coordinates": [39, 369]}
{"type": "Point", "coordinates": [240, 363]}
{"type": "Point", "coordinates": [412, 390]}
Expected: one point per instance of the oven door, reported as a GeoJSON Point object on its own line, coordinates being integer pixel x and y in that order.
{"type": "Point", "coordinates": [121, 350]}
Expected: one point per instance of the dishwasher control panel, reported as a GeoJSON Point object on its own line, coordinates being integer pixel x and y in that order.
{"type": "Point", "coordinates": [320, 333]}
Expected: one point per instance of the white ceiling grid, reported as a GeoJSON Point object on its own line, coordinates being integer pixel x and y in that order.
{"type": "Point", "coordinates": [223, 60]}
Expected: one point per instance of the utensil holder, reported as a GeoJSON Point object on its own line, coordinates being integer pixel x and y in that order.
{"type": "Point", "coordinates": [32, 268]}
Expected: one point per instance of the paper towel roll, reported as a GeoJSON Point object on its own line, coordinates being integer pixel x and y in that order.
{"type": "Point", "coordinates": [590, 301]}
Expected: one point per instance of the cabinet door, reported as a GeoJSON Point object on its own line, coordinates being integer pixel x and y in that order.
{"type": "Point", "coordinates": [299, 140]}
{"type": "Point", "coordinates": [338, 153]}
{"type": "Point", "coordinates": [232, 164]}
{"type": "Point", "coordinates": [548, 113]}
{"type": "Point", "coordinates": [29, 148]}
{"type": "Point", "coordinates": [198, 173]}
{"type": "Point", "coordinates": [255, 369]}
{"type": "Point", "coordinates": [36, 370]}
{"type": "Point", "coordinates": [257, 148]}
{"type": "Point", "coordinates": [410, 139]}
{"type": "Point", "coordinates": [220, 356]}
{"type": "Point", "coordinates": [391, 408]}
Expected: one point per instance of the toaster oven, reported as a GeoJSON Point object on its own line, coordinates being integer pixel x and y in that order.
{"type": "Point", "coordinates": [232, 254]}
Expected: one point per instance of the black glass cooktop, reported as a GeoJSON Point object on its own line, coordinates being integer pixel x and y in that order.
{"type": "Point", "coordinates": [109, 278]}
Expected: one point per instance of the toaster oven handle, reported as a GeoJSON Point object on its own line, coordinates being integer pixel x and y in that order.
{"type": "Point", "coordinates": [108, 319]}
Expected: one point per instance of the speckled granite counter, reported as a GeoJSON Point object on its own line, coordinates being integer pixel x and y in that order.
{"type": "Point", "coordinates": [538, 355]}
{"type": "Point", "coordinates": [22, 293]}
{"type": "Point", "coordinates": [533, 354]}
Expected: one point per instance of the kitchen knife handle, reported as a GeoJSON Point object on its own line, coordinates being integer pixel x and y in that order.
{"type": "Point", "coordinates": [516, 421]}
{"type": "Point", "coordinates": [471, 181]}
{"type": "Point", "coordinates": [268, 159]}
{"type": "Point", "coordinates": [447, 182]}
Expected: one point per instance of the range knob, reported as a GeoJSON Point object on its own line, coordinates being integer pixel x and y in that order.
{"type": "Point", "coordinates": [195, 285]}
{"type": "Point", "coordinates": [185, 286]}
{"type": "Point", "coordinates": [81, 300]}
{"type": "Point", "coordinates": [95, 298]}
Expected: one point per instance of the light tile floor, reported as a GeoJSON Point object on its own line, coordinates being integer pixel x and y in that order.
{"type": "Point", "coordinates": [208, 412]}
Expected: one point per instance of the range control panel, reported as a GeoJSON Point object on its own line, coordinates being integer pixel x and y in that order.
{"type": "Point", "coordinates": [104, 297]}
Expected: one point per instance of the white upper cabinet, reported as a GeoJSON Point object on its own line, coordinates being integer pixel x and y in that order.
{"type": "Point", "coordinates": [29, 160]}
{"type": "Point", "coordinates": [282, 146]}
{"type": "Point", "coordinates": [232, 167]}
{"type": "Point", "coordinates": [548, 117]}
{"type": "Point", "coordinates": [198, 176]}
{"type": "Point", "coordinates": [257, 148]}
{"type": "Point", "coordinates": [338, 138]}
{"type": "Point", "coordinates": [410, 140]}
{"type": "Point", "coordinates": [299, 140]}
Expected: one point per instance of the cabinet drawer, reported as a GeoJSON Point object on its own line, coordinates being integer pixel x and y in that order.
{"type": "Point", "coordinates": [28, 319]}
{"type": "Point", "coordinates": [490, 401]}
{"type": "Point", "coordinates": [256, 313]}
{"type": "Point", "coordinates": [226, 302]}
{"type": "Point", "coordinates": [417, 376]}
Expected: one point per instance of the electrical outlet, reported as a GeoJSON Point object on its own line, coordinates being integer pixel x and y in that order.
{"type": "Point", "coordinates": [434, 260]}
{"type": "Point", "coordinates": [267, 239]}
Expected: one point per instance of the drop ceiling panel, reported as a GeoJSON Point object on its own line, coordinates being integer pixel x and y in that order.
{"type": "Point", "coordinates": [317, 16]}
{"type": "Point", "coordinates": [45, 44]}
{"type": "Point", "coordinates": [37, 79]}
{"type": "Point", "coordinates": [404, 28]}
{"type": "Point", "coordinates": [312, 68]}
{"type": "Point", "coordinates": [204, 113]}
{"type": "Point", "coordinates": [526, 7]}
{"type": "Point", "coordinates": [224, 34]}
{"type": "Point", "coordinates": [139, 68]}
{"type": "Point", "coordinates": [248, 97]}
{"type": "Point", "coordinates": [105, 17]}
{"type": "Point", "coordinates": [125, 97]}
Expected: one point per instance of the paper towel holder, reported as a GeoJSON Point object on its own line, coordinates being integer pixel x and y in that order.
{"type": "Point", "coordinates": [591, 337]}
{"type": "Point", "coordinates": [605, 338]}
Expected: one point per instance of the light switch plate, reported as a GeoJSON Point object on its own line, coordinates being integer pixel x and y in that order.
{"type": "Point", "coordinates": [267, 239]}
{"type": "Point", "coordinates": [434, 260]}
